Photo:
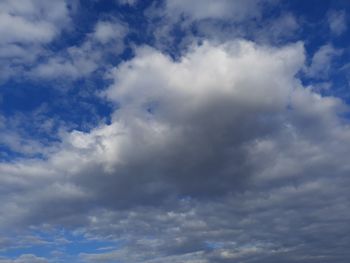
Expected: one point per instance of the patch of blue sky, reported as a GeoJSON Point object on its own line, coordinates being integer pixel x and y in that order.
{"type": "Point", "coordinates": [63, 101]}
{"type": "Point", "coordinates": [49, 243]}
{"type": "Point", "coordinates": [8, 155]}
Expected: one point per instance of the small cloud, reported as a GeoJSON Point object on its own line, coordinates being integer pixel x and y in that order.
{"type": "Point", "coordinates": [106, 31]}
{"type": "Point", "coordinates": [127, 2]}
{"type": "Point", "coordinates": [322, 61]}
{"type": "Point", "coordinates": [337, 22]}
{"type": "Point", "coordinates": [215, 9]}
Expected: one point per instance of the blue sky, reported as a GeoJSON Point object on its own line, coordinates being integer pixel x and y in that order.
{"type": "Point", "coordinates": [174, 131]}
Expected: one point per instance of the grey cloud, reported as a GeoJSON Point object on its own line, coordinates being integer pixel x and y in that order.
{"type": "Point", "coordinates": [219, 156]}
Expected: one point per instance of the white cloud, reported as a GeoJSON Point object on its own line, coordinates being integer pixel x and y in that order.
{"type": "Point", "coordinates": [17, 29]}
{"type": "Point", "coordinates": [34, 21]}
{"type": "Point", "coordinates": [219, 9]}
{"type": "Point", "coordinates": [76, 63]}
{"type": "Point", "coordinates": [278, 29]}
{"type": "Point", "coordinates": [220, 21]}
{"type": "Point", "coordinates": [80, 61]}
{"type": "Point", "coordinates": [321, 62]}
{"type": "Point", "coordinates": [25, 26]}
{"type": "Point", "coordinates": [195, 77]}
{"type": "Point", "coordinates": [337, 22]}
{"type": "Point", "coordinates": [106, 31]}
{"type": "Point", "coordinates": [128, 2]}
{"type": "Point", "coordinates": [219, 154]}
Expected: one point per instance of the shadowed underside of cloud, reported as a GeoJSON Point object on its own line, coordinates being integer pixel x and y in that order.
{"type": "Point", "coordinates": [219, 156]}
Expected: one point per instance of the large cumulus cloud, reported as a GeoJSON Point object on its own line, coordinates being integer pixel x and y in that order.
{"type": "Point", "coordinates": [217, 156]}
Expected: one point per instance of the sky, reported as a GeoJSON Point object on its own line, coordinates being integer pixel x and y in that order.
{"type": "Point", "coordinates": [182, 131]}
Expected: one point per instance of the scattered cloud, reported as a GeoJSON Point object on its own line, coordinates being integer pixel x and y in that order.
{"type": "Point", "coordinates": [321, 62]}
{"type": "Point", "coordinates": [26, 27]}
{"type": "Point", "coordinates": [337, 22]}
{"type": "Point", "coordinates": [128, 2]}
{"type": "Point", "coordinates": [80, 61]}
{"type": "Point", "coordinates": [238, 10]}
{"type": "Point", "coordinates": [217, 148]}
{"type": "Point", "coordinates": [106, 31]}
